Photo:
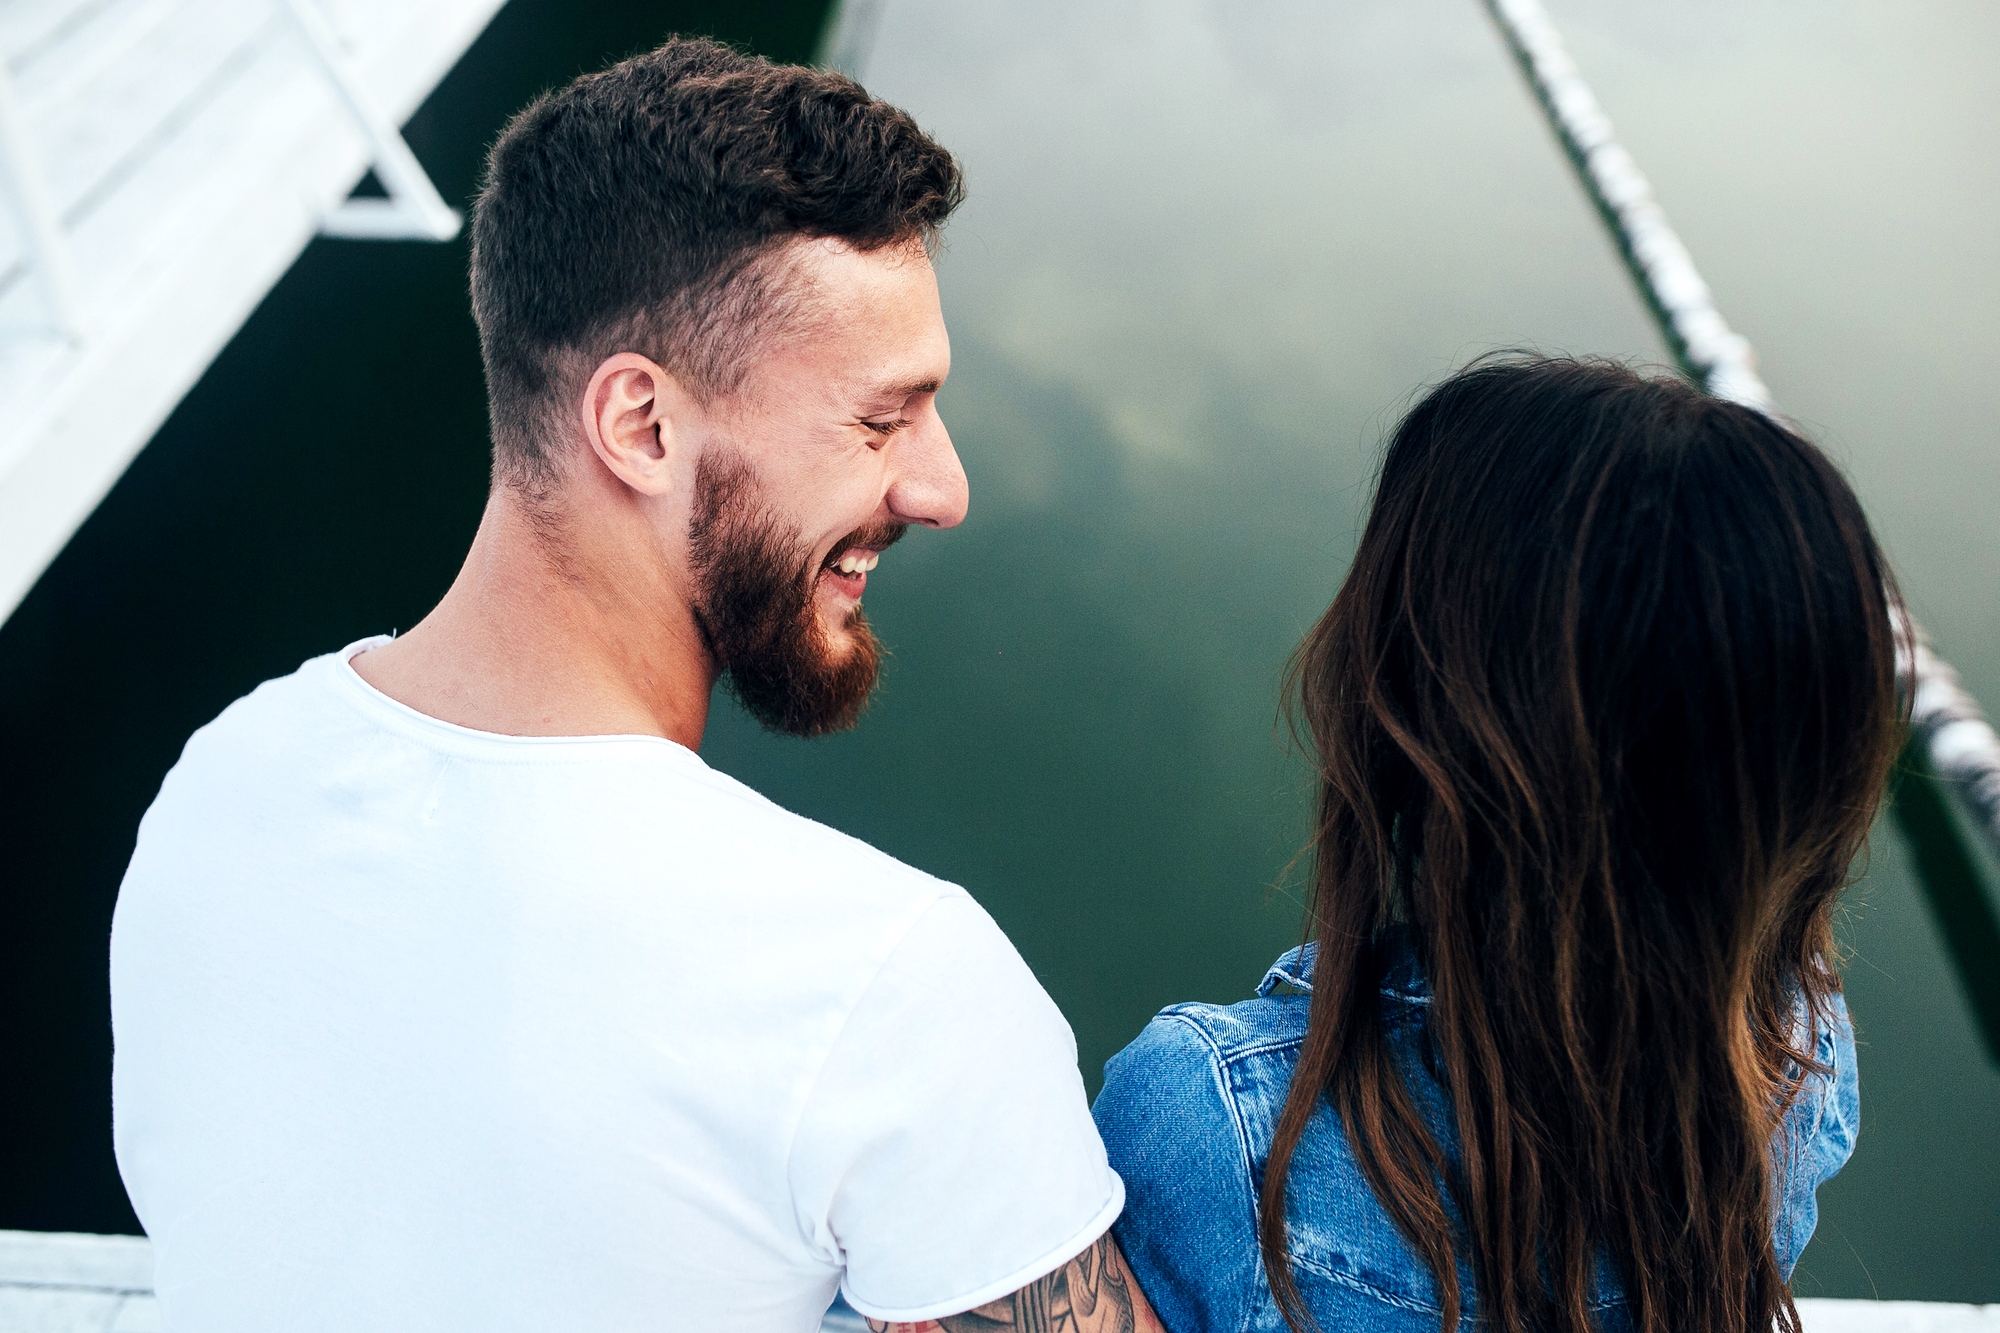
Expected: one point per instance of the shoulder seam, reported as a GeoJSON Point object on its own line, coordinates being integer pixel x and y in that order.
{"type": "Point", "coordinates": [1238, 1054]}
{"type": "Point", "coordinates": [896, 942]}
{"type": "Point", "coordinates": [1218, 1066]}
{"type": "Point", "coordinates": [1405, 1302]}
{"type": "Point", "coordinates": [1829, 1087]}
{"type": "Point", "coordinates": [1187, 1015]}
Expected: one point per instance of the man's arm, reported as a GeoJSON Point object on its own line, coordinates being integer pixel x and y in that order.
{"type": "Point", "coordinates": [1092, 1293]}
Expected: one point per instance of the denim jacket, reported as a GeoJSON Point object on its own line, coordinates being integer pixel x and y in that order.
{"type": "Point", "coordinates": [1187, 1114]}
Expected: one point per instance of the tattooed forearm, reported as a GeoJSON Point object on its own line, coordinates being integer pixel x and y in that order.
{"type": "Point", "coordinates": [1092, 1293]}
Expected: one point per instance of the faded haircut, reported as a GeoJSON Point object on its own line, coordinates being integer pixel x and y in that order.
{"type": "Point", "coordinates": [647, 208]}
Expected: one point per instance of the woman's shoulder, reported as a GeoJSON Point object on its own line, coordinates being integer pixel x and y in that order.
{"type": "Point", "coordinates": [1220, 1035]}
{"type": "Point", "coordinates": [1183, 1124]}
{"type": "Point", "coordinates": [1224, 1065]}
{"type": "Point", "coordinates": [1188, 1112]}
{"type": "Point", "coordinates": [1234, 1062]}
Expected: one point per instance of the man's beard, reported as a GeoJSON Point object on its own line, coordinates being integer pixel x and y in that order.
{"type": "Point", "coordinates": [755, 603]}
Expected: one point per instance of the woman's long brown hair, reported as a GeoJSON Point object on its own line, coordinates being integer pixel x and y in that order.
{"type": "Point", "coordinates": [1603, 712]}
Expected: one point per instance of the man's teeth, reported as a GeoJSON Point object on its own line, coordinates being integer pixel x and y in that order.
{"type": "Point", "coordinates": [857, 563]}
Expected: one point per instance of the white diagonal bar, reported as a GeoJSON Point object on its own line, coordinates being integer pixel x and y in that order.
{"type": "Point", "coordinates": [35, 213]}
{"type": "Point", "coordinates": [414, 210]}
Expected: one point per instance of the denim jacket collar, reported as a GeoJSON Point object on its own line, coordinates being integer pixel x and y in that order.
{"type": "Point", "coordinates": [1400, 975]}
{"type": "Point", "coordinates": [1293, 968]}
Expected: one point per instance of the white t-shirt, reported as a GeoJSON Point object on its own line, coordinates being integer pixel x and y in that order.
{"type": "Point", "coordinates": [425, 1028]}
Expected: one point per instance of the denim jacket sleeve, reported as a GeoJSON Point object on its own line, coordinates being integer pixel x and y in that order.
{"type": "Point", "coordinates": [1189, 1229]}
{"type": "Point", "coordinates": [1818, 1137]}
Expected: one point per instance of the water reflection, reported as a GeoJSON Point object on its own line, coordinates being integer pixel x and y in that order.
{"type": "Point", "coordinates": [1210, 251]}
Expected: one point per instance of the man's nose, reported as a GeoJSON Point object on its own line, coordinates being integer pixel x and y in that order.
{"type": "Point", "coordinates": [929, 486]}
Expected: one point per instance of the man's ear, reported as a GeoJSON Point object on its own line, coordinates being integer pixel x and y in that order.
{"type": "Point", "coordinates": [631, 408]}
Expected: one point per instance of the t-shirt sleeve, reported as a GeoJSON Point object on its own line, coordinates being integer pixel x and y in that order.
{"type": "Point", "coordinates": [946, 1155]}
{"type": "Point", "coordinates": [1190, 1225]}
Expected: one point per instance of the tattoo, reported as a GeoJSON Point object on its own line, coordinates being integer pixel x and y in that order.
{"type": "Point", "coordinates": [1092, 1293]}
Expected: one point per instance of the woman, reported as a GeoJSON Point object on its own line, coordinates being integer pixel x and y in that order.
{"type": "Point", "coordinates": [1603, 712]}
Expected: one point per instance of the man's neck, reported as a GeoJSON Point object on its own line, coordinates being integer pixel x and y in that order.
{"type": "Point", "coordinates": [536, 640]}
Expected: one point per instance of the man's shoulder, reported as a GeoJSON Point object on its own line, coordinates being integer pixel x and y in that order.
{"type": "Point", "coordinates": [265, 726]}
{"type": "Point", "coordinates": [742, 835]}
{"type": "Point", "coordinates": [830, 855]}
{"type": "Point", "coordinates": [633, 811]}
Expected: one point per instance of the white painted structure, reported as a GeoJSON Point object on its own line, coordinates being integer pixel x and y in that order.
{"type": "Point", "coordinates": [163, 162]}
{"type": "Point", "coordinates": [58, 1283]}
{"type": "Point", "coordinates": [55, 1282]}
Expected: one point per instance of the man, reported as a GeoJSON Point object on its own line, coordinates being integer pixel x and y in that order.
{"type": "Point", "coordinates": [451, 990]}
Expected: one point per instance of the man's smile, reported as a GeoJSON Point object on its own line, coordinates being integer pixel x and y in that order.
{"type": "Point", "coordinates": [848, 575]}
{"type": "Point", "coordinates": [844, 573]}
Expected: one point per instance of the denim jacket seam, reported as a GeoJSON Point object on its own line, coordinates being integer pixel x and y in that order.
{"type": "Point", "coordinates": [1219, 1070]}
{"type": "Point", "coordinates": [1236, 1055]}
{"type": "Point", "coordinates": [1827, 1086]}
{"type": "Point", "coordinates": [1396, 1299]}
{"type": "Point", "coordinates": [1401, 1301]}
{"type": "Point", "coordinates": [1829, 1090]}
{"type": "Point", "coordinates": [1229, 1053]}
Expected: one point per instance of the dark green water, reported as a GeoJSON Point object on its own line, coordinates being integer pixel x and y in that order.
{"type": "Point", "coordinates": [1205, 261]}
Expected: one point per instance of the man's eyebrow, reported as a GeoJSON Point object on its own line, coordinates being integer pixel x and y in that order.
{"type": "Point", "coordinates": [901, 390]}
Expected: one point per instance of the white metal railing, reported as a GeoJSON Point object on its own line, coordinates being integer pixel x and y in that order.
{"type": "Point", "coordinates": [1947, 722]}
{"type": "Point", "coordinates": [35, 216]}
{"type": "Point", "coordinates": [413, 209]}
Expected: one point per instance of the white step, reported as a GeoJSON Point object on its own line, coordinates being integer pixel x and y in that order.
{"type": "Point", "coordinates": [189, 149]}
{"type": "Point", "coordinates": [57, 1282]}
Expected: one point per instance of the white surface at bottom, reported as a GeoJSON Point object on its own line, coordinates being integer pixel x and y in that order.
{"type": "Point", "coordinates": [1821, 1316]}
{"type": "Point", "coordinates": [61, 1282]}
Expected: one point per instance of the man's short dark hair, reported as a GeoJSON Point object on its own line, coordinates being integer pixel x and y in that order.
{"type": "Point", "coordinates": [638, 208]}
